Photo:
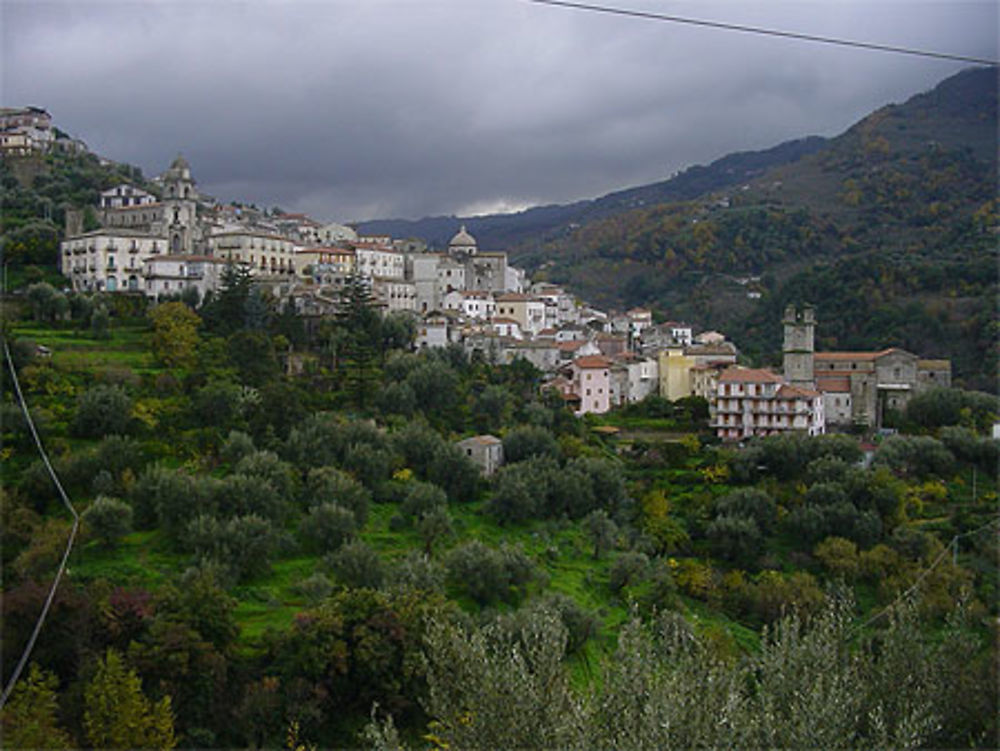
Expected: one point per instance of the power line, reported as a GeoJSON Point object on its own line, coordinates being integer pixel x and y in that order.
{"type": "Point", "coordinates": [952, 547]}
{"type": "Point", "coordinates": [69, 543]}
{"type": "Point", "coordinates": [766, 32]}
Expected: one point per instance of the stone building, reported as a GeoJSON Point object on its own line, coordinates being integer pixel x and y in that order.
{"type": "Point", "coordinates": [857, 387]}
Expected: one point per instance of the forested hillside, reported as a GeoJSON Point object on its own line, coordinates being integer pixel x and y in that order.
{"type": "Point", "coordinates": [282, 545]}
{"type": "Point", "coordinates": [890, 230]}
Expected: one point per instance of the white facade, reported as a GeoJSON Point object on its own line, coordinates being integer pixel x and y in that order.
{"type": "Point", "coordinates": [507, 327]}
{"type": "Point", "coordinates": [108, 260]}
{"type": "Point", "coordinates": [172, 274]}
{"type": "Point", "coordinates": [124, 195]}
{"type": "Point", "coordinates": [379, 262]}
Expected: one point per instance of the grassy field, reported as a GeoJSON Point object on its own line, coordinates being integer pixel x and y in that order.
{"type": "Point", "coordinates": [77, 351]}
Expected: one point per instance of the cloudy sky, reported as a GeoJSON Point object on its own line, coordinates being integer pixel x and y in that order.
{"type": "Point", "coordinates": [358, 109]}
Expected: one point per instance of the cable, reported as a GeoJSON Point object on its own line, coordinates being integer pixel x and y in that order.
{"type": "Point", "coordinates": [952, 546]}
{"type": "Point", "coordinates": [765, 32]}
{"type": "Point", "coordinates": [69, 543]}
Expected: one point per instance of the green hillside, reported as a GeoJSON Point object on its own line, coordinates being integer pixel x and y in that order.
{"type": "Point", "coordinates": [276, 553]}
{"type": "Point", "coordinates": [890, 230]}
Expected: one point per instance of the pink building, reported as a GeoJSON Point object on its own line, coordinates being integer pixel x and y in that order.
{"type": "Point", "coordinates": [591, 379]}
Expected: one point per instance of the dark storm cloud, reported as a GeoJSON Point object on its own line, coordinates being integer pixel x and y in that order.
{"type": "Point", "coordinates": [350, 110]}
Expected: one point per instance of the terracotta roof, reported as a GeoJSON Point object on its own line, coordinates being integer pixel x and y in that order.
{"type": "Point", "coordinates": [516, 297]}
{"type": "Point", "coordinates": [794, 392]}
{"type": "Point", "coordinates": [483, 440]}
{"type": "Point", "coordinates": [852, 355]}
{"type": "Point", "coordinates": [591, 362]}
{"type": "Point", "coordinates": [504, 320]}
{"type": "Point", "coordinates": [934, 364]}
{"type": "Point", "coordinates": [748, 375]}
{"type": "Point", "coordinates": [571, 346]}
{"type": "Point", "coordinates": [834, 384]}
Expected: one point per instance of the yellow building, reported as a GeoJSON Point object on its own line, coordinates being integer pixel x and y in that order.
{"type": "Point", "coordinates": [675, 373]}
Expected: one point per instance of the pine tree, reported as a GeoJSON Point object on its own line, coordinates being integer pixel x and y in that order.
{"type": "Point", "coordinates": [118, 715]}
{"type": "Point", "coordinates": [227, 311]}
{"type": "Point", "coordinates": [360, 325]}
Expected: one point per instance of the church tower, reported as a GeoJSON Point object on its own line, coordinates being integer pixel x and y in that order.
{"type": "Point", "coordinates": [180, 207]}
{"type": "Point", "coordinates": [799, 346]}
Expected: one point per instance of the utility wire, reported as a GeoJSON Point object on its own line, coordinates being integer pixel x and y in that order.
{"type": "Point", "coordinates": [69, 543]}
{"type": "Point", "coordinates": [951, 547]}
{"type": "Point", "coordinates": [766, 32]}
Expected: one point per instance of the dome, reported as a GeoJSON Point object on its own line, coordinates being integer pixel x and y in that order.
{"type": "Point", "coordinates": [462, 239]}
{"type": "Point", "coordinates": [180, 163]}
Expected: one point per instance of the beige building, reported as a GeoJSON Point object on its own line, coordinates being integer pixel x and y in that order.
{"type": "Point", "coordinates": [528, 311]}
{"type": "Point", "coordinates": [264, 254]}
{"type": "Point", "coordinates": [321, 264]}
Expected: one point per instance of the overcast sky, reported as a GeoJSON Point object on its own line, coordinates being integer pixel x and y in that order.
{"type": "Point", "coordinates": [359, 109]}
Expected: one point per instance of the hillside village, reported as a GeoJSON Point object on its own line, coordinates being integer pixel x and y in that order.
{"type": "Point", "coordinates": [325, 502]}
{"type": "Point", "coordinates": [181, 241]}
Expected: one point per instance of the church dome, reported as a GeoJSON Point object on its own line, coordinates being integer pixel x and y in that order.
{"type": "Point", "coordinates": [462, 239]}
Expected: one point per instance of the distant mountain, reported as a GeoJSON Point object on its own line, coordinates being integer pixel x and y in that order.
{"type": "Point", "coordinates": [501, 231]}
{"type": "Point", "coordinates": [890, 229]}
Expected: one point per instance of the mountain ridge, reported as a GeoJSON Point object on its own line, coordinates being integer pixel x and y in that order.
{"type": "Point", "coordinates": [498, 231]}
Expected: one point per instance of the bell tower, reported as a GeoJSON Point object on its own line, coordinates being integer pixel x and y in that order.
{"type": "Point", "coordinates": [180, 207]}
{"type": "Point", "coordinates": [799, 346]}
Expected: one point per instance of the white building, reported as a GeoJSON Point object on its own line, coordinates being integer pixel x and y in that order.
{"type": "Point", "coordinates": [751, 402]}
{"type": "Point", "coordinates": [173, 274]}
{"type": "Point", "coordinates": [379, 261]}
{"type": "Point", "coordinates": [107, 260]}
{"type": "Point", "coordinates": [123, 196]}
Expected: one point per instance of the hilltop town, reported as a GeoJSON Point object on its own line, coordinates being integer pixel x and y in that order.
{"type": "Point", "coordinates": [179, 242]}
{"type": "Point", "coordinates": [310, 485]}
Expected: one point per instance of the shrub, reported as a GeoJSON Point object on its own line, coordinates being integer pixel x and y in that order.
{"type": "Point", "coordinates": [330, 485]}
{"type": "Point", "coordinates": [485, 574]}
{"type": "Point", "coordinates": [421, 498]}
{"type": "Point", "coordinates": [100, 411]}
{"type": "Point", "coordinates": [109, 519]}
{"type": "Point", "coordinates": [528, 441]}
{"type": "Point", "coordinates": [627, 569]}
{"type": "Point", "coordinates": [735, 538]}
{"type": "Point", "coordinates": [328, 526]}
{"type": "Point", "coordinates": [357, 565]}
